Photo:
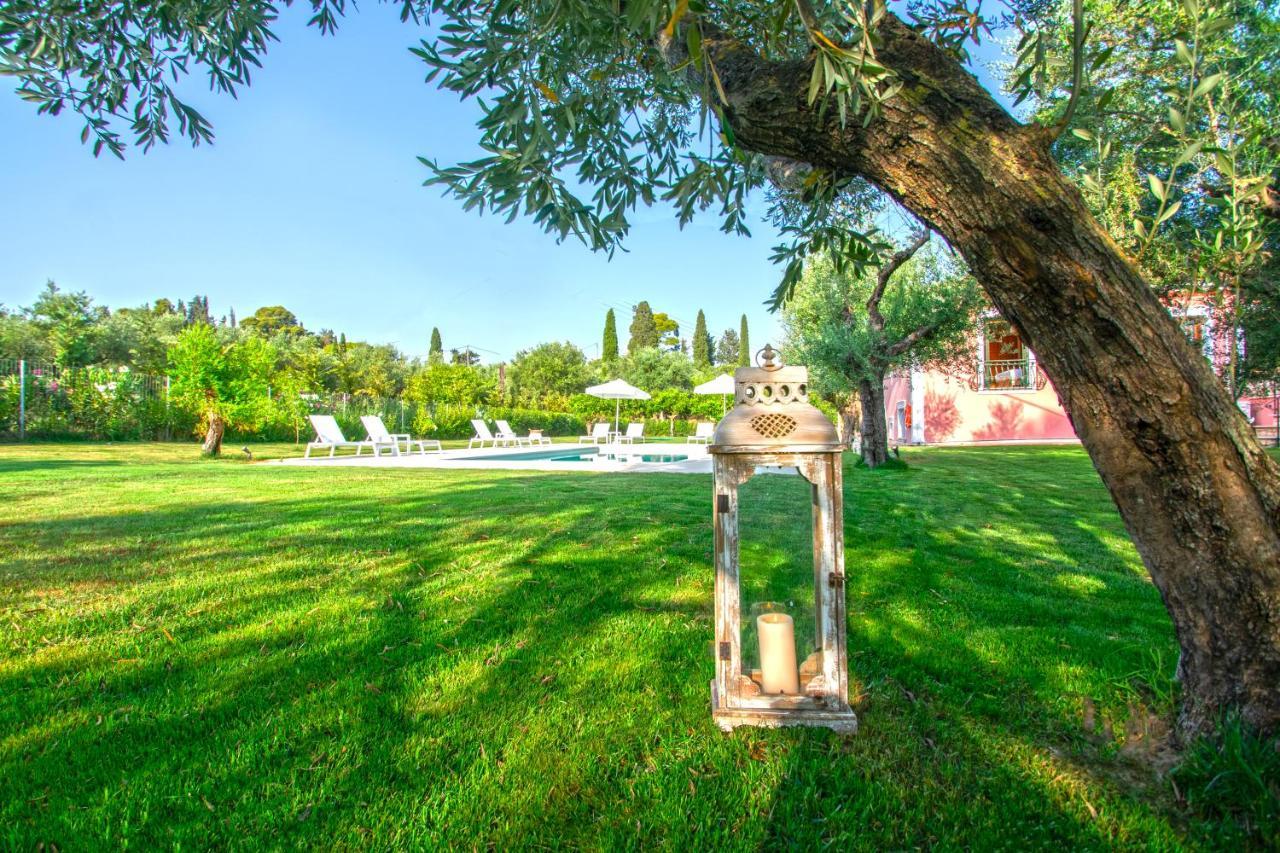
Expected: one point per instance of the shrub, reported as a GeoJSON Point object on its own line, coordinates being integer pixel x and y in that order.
{"type": "Point", "coordinates": [444, 421]}
{"type": "Point", "coordinates": [551, 423]}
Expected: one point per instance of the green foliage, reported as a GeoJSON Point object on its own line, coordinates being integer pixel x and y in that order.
{"type": "Point", "coordinates": [273, 320]}
{"type": "Point", "coordinates": [22, 338]}
{"type": "Point", "coordinates": [544, 376]}
{"type": "Point", "coordinates": [230, 380]}
{"type": "Point", "coordinates": [1173, 145]}
{"type": "Point", "coordinates": [744, 344]}
{"type": "Point", "coordinates": [558, 423]}
{"type": "Point", "coordinates": [87, 402]}
{"type": "Point", "coordinates": [728, 348]}
{"type": "Point", "coordinates": [644, 330]}
{"type": "Point", "coordinates": [451, 385]}
{"type": "Point", "coordinates": [435, 353]}
{"type": "Point", "coordinates": [369, 370]}
{"type": "Point", "coordinates": [466, 357]}
{"type": "Point", "coordinates": [609, 346]}
{"type": "Point", "coordinates": [667, 409]}
{"type": "Point", "coordinates": [1260, 322]}
{"type": "Point", "coordinates": [652, 369]}
{"type": "Point", "coordinates": [136, 337]}
{"type": "Point", "coordinates": [67, 322]}
{"type": "Point", "coordinates": [668, 331]}
{"type": "Point", "coordinates": [701, 342]}
{"type": "Point", "coordinates": [828, 326]}
{"type": "Point", "coordinates": [444, 420]}
{"type": "Point", "coordinates": [1184, 83]}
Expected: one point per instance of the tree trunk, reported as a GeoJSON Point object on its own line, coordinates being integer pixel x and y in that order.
{"type": "Point", "coordinates": [850, 415]}
{"type": "Point", "coordinates": [1197, 493]}
{"type": "Point", "coordinates": [875, 430]}
{"type": "Point", "coordinates": [213, 436]}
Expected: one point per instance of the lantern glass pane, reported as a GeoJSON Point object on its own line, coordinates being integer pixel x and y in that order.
{"type": "Point", "coordinates": [780, 651]}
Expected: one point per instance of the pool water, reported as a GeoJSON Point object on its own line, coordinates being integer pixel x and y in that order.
{"type": "Point", "coordinates": [576, 454]}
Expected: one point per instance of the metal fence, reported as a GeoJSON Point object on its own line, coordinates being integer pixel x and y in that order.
{"type": "Point", "coordinates": [45, 400]}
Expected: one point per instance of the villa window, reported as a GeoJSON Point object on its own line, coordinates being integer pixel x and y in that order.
{"type": "Point", "coordinates": [1005, 363]}
{"type": "Point", "coordinates": [1194, 327]}
{"type": "Point", "coordinates": [1198, 328]}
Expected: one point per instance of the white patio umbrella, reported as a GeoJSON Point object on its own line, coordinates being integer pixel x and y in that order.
{"type": "Point", "coordinates": [722, 384]}
{"type": "Point", "coordinates": [617, 390]}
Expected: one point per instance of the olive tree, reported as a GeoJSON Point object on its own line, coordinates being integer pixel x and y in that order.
{"type": "Point", "coordinates": [591, 109]}
{"type": "Point", "coordinates": [852, 329]}
{"type": "Point", "coordinates": [224, 383]}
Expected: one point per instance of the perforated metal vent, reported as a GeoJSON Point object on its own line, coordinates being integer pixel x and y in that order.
{"type": "Point", "coordinates": [773, 425]}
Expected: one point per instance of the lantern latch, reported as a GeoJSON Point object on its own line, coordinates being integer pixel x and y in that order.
{"type": "Point", "coordinates": [835, 580]}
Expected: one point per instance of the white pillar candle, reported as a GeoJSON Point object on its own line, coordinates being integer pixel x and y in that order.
{"type": "Point", "coordinates": [778, 673]}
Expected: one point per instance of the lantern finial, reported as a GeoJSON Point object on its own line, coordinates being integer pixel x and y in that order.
{"type": "Point", "coordinates": [772, 411]}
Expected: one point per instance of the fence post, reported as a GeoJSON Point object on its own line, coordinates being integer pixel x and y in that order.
{"type": "Point", "coordinates": [22, 399]}
{"type": "Point", "coordinates": [168, 417]}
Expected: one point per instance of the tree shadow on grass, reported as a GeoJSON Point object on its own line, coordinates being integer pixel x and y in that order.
{"type": "Point", "coordinates": [518, 660]}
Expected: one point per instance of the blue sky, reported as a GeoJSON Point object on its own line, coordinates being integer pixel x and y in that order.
{"type": "Point", "coordinates": [312, 198]}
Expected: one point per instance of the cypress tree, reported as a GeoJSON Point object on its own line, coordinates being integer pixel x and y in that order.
{"type": "Point", "coordinates": [701, 342]}
{"type": "Point", "coordinates": [744, 345]}
{"type": "Point", "coordinates": [436, 353]}
{"type": "Point", "coordinates": [609, 349]}
{"type": "Point", "coordinates": [644, 333]}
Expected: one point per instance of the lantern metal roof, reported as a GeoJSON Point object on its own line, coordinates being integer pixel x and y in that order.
{"type": "Point", "coordinates": [772, 412]}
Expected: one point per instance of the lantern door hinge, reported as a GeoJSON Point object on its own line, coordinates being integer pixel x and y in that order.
{"type": "Point", "coordinates": [725, 651]}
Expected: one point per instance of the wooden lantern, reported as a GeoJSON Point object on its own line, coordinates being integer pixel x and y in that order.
{"type": "Point", "coordinates": [773, 423]}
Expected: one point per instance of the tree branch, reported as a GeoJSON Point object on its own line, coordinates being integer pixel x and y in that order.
{"type": "Point", "coordinates": [807, 16]}
{"type": "Point", "coordinates": [1077, 69]}
{"type": "Point", "coordinates": [911, 340]}
{"type": "Point", "coordinates": [1271, 202]}
{"type": "Point", "coordinates": [886, 272]}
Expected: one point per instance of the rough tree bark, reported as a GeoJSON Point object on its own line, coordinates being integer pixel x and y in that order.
{"type": "Point", "coordinates": [213, 435]}
{"type": "Point", "coordinates": [1197, 493]}
{"type": "Point", "coordinates": [850, 417]}
{"type": "Point", "coordinates": [875, 430]}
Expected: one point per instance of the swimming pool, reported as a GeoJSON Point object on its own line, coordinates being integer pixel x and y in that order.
{"type": "Point", "coordinates": [575, 454]}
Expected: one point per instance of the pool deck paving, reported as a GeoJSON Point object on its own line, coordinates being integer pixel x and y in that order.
{"type": "Point", "coordinates": [699, 462]}
{"type": "Point", "coordinates": [499, 459]}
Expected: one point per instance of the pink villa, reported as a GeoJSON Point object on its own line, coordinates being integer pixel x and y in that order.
{"type": "Point", "coordinates": [1005, 397]}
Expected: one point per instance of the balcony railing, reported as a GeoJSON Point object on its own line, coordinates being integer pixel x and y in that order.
{"type": "Point", "coordinates": [1007, 375]}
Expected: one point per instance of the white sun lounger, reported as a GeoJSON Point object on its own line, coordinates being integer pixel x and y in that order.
{"type": "Point", "coordinates": [507, 434]}
{"type": "Point", "coordinates": [505, 431]}
{"type": "Point", "coordinates": [703, 434]}
{"type": "Point", "coordinates": [329, 435]}
{"type": "Point", "coordinates": [599, 434]}
{"type": "Point", "coordinates": [379, 434]}
{"type": "Point", "coordinates": [482, 435]}
{"type": "Point", "coordinates": [635, 431]}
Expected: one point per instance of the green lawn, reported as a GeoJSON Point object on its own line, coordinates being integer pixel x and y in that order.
{"type": "Point", "coordinates": [224, 654]}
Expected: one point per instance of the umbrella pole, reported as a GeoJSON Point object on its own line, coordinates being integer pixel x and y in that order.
{"type": "Point", "coordinates": [617, 407]}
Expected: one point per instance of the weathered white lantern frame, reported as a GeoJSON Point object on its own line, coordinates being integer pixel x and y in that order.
{"type": "Point", "coordinates": [773, 424]}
